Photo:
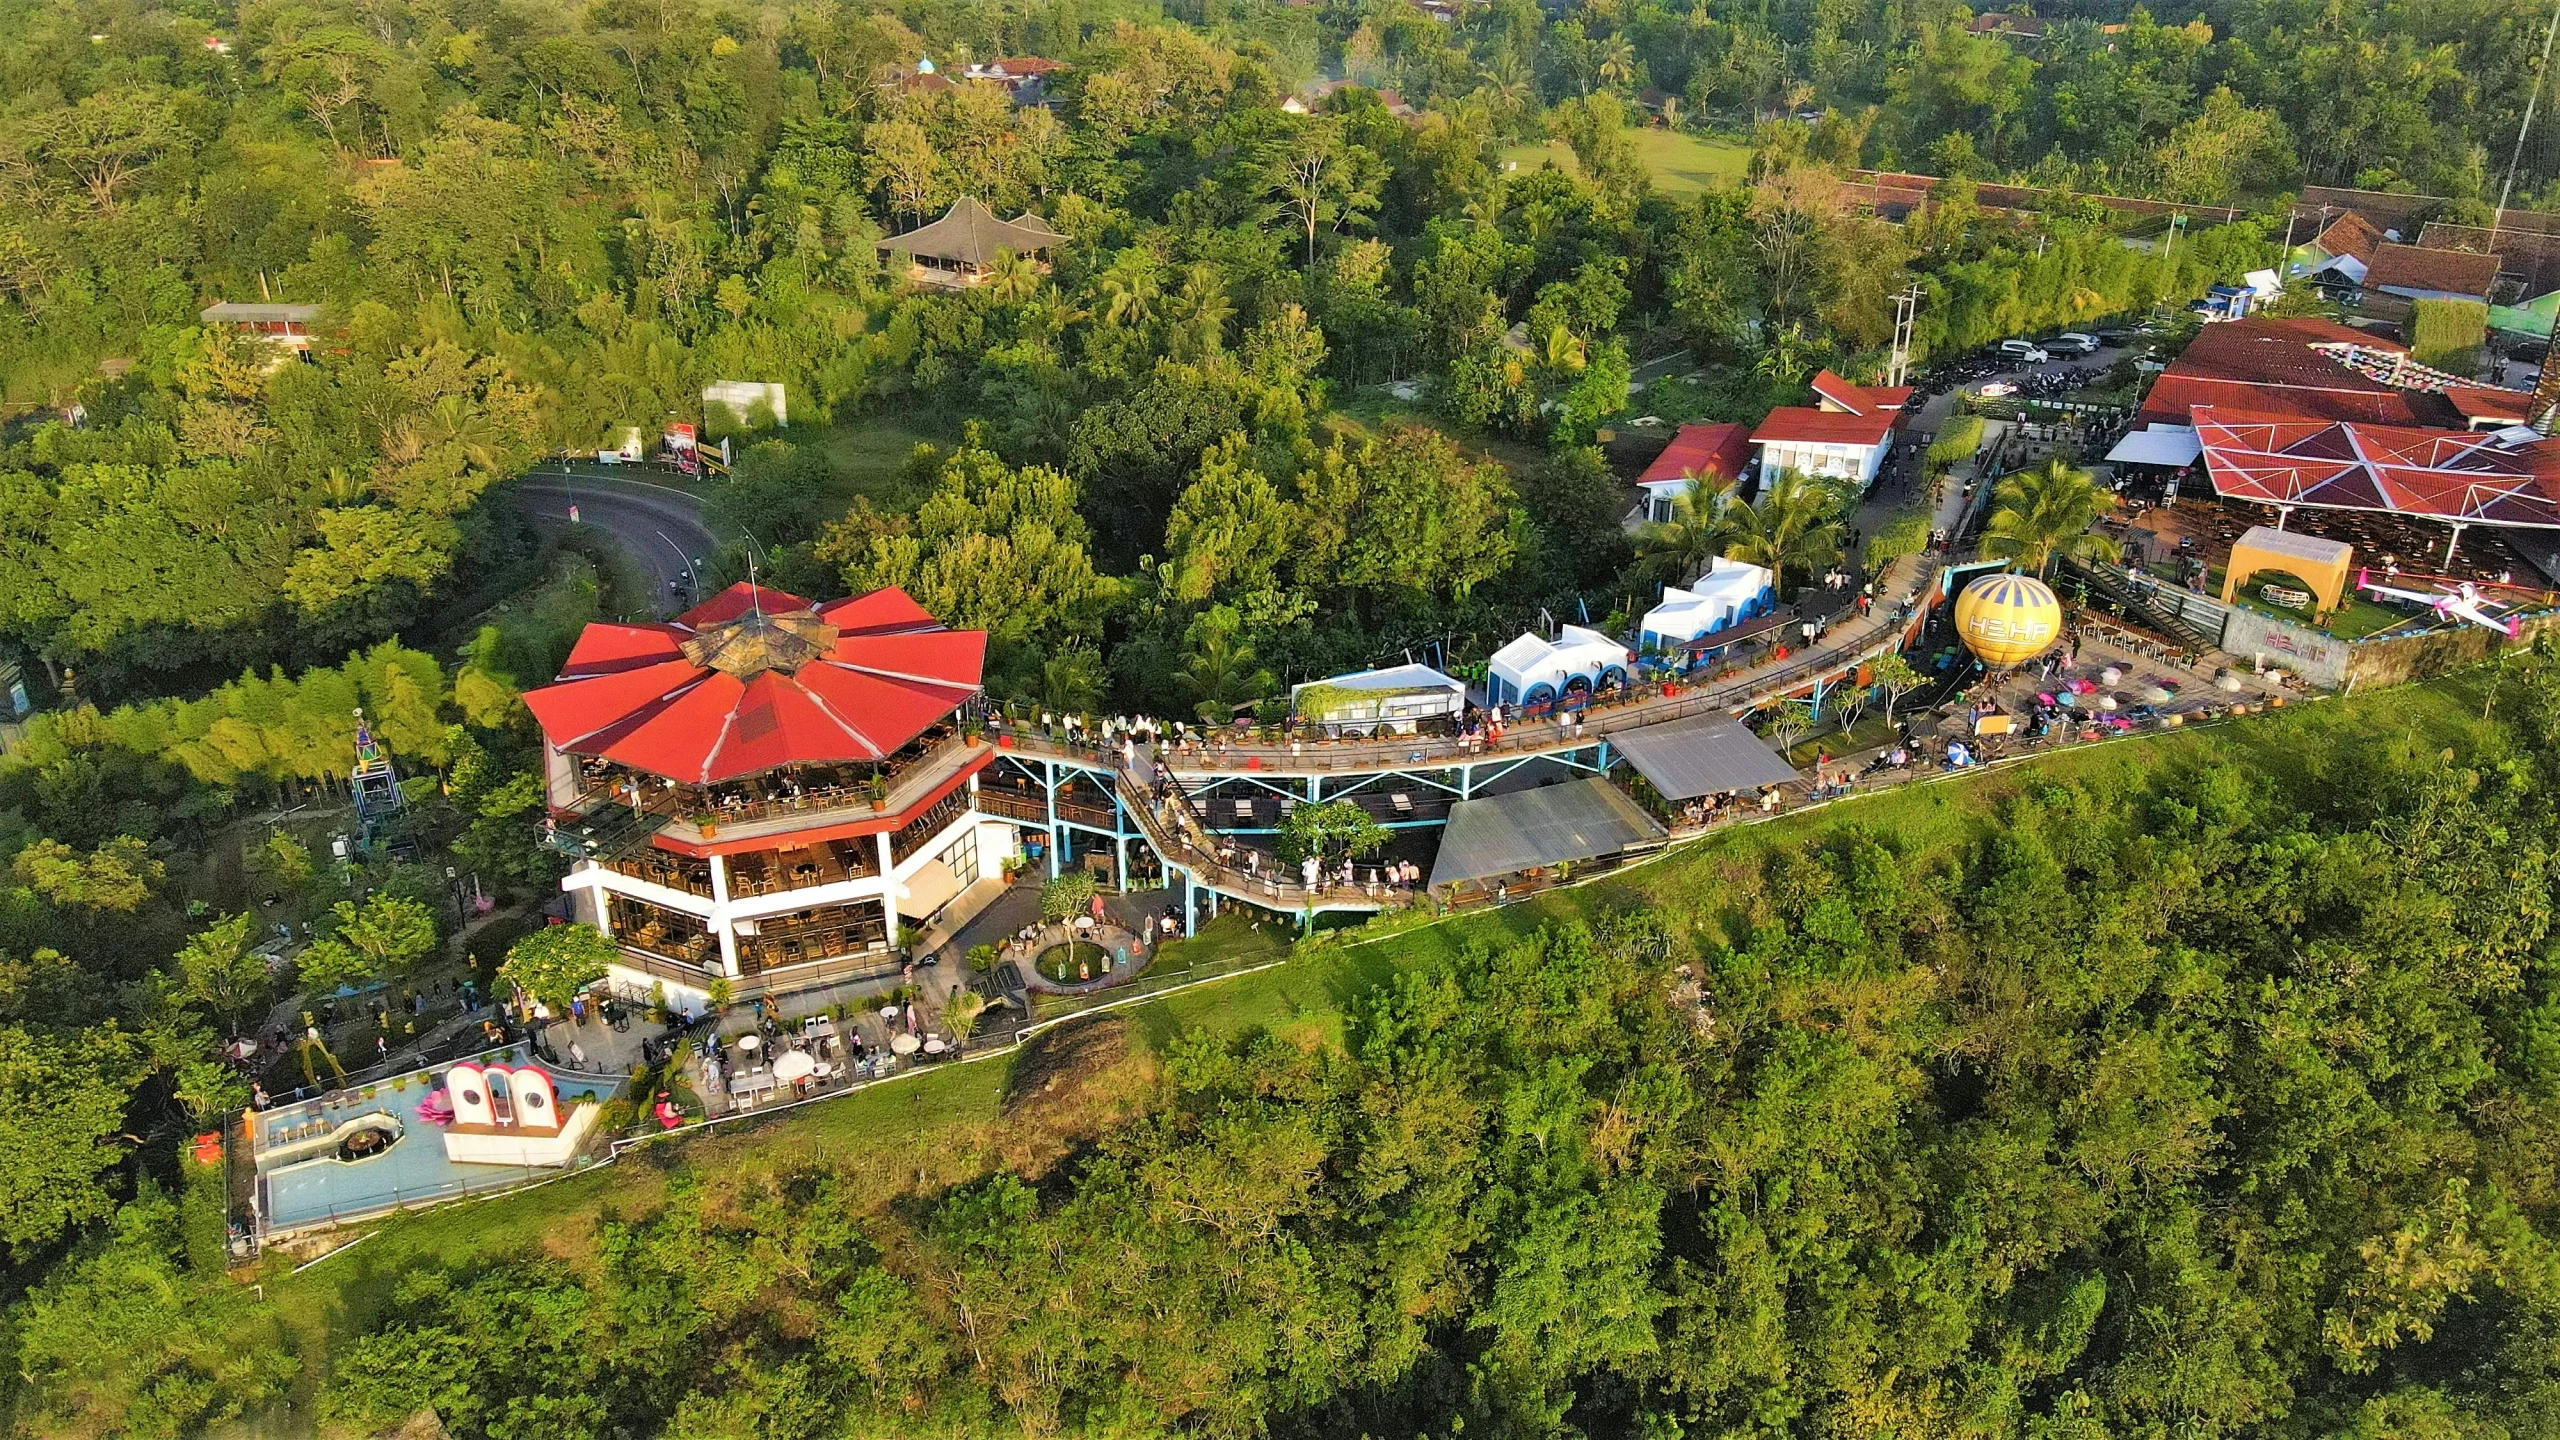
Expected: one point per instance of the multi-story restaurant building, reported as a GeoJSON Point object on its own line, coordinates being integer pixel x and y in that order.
{"type": "Point", "coordinates": [771, 791]}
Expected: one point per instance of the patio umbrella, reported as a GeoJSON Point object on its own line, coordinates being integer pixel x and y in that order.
{"type": "Point", "coordinates": [795, 1066]}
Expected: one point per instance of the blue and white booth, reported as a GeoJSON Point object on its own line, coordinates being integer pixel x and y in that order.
{"type": "Point", "coordinates": [1533, 671]}
{"type": "Point", "coordinates": [1731, 592]}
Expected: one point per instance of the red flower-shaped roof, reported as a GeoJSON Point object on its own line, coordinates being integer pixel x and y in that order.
{"type": "Point", "coordinates": [2471, 476]}
{"type": "Point", "coordinates": [754, 679]}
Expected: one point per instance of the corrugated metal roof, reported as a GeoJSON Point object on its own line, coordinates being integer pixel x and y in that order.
{"type": "Point", "coordinates": [1702, 755]}
{"type": "Point", "coordinates": [1507, 834]}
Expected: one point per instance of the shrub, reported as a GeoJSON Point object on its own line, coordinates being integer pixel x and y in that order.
{"type": "Point", "coordinates": [2448, 334]}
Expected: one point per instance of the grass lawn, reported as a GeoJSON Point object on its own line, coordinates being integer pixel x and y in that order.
{"type": "Point", "coordinates": [866, 455]}
{"type": "Point", "coordinates": [1373, 409]}
{"type": "Point", "coordinates": [1680, 162]}
{"type": "Point", "coordinates": [949, 1125]}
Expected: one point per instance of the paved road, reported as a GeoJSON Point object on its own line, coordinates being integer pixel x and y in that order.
{"type": "Point", "coordinates": [660, 526]}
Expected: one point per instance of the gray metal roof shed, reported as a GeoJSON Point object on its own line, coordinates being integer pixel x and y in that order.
{"type": "Point", "coordinates": [1702, 755]}
{"type": "Point", "coordinates": [1506, 834]}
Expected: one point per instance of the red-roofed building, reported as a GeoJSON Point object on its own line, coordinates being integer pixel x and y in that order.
{"type": "Point", "coordinates": [1831, 392]}
{"type": "Point", "coordinates": [2487, 407]}
{"type": "Point", "coordinates": [764, 783]}
{"type": "Point", "coordinates": [1025, 77]}
{"type": "Point", "coordinates": [1828, 439]}
{"type": "Point", "coordinates": [2459, 477]}
{"type": "Point", "coordinates": [2295, 369]}
{"type": "Point", "coordinates": [2415, 272]}
{"type": "Point", "coordinates": [2346, 248]}
{"type": "Point", "coordinates": [1709, 453]}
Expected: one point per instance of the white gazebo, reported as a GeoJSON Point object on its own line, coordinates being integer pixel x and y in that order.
{"type": "Point", "coordinates": [1392, 701]}
{"type": "Point", "coordinates": [1731, 592]}
{"type": "Point", "coordinates": [1533, 670]}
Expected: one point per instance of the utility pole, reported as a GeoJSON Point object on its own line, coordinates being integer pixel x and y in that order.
{"type": "Point", "coordinates": [2545, 406]}
{"type": "Point", "coordinates": [2516, 156]}
{"type": "Point", "coordinates": [1906, 314]}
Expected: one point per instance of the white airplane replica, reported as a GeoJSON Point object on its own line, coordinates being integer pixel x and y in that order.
{"type": "Point", "coordinates": [2463, 602]}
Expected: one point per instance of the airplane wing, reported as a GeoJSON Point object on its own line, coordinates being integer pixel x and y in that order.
{"type": "Point", "coordinates": [2387, 592]}
{"type": "Point", "coordinates": [2471, 611]}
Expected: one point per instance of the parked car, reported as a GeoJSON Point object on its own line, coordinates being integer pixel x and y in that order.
{"type": "Point", "coordinates": [2024, 352]}
{"type": "Point", "coordinates": [2072, 342]}
{"type": "Point", "coordinates": [1996, 389]}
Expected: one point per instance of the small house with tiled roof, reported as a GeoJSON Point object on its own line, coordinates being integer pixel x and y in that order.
{"type": "Point", "coordinates": [2343, 249]}
{"type": "Point", "coordinates": [2416, 272]}
{"type": "Point", "coordinates": [1709, 454]}
{"type": "Point", "coordinates": [1844, 434]}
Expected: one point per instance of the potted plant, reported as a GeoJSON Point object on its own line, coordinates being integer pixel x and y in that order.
{"type": "Point", "coordinates": [707, 821]}
{"type": "Point", "coordinates": [971, 732]}
{"type": "Point", "coordinates": [879, 790]}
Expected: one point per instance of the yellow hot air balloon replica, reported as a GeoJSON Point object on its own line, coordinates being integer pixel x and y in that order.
{"type": "Point", "coordinates": [2008, 620]}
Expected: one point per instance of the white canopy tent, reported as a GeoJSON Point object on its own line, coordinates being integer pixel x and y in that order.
{"type": "Point", "coordinates": [1533, 670]}
{"type": "Point", "coordinates": [1731, 592]}
{"type": "Point", "coordinates": [2171, 445]}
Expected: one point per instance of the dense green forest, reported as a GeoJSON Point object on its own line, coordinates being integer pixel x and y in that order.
{"type": "Point", "coordinates": [2192, 1098]}
{"type": "Point", "coordinates": [2188, 1104]}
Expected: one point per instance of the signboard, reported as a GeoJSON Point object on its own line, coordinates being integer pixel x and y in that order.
{"type": "Point", "coordinates": [748, 402]}
{"type": "Point", "coordinates": [681, 444]}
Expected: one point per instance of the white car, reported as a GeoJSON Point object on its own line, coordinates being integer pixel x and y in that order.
{"type": "Point", "coordinates": [2072, 342]}
{"type": "Point", "coordinates": [1996, 389]}
{"type": "Point", "coordinates": [2025, 352]}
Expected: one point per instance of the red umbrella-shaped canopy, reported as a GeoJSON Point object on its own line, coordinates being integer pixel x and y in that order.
{"type": "Point", "coordinates": [754, 679]}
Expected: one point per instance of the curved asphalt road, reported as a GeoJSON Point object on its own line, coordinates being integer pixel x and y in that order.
{"type": "Point", "coordinates": [659, 526]}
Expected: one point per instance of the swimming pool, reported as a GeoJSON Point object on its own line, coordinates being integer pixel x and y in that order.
{"type": "Point", "coordinates": [305, 1183]}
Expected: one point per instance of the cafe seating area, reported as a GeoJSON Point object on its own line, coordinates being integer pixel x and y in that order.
{"type": "Point", "coordinates": [800, 867]}
{"type": "Point", "coordinates": [662, 931]}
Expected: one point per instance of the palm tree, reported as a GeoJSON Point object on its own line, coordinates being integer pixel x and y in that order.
{"type": "Point", "coordinates": [1793, 526]}
{"type": "Point", "coordinates": [1617, 62]}
{"type": "Point", "coordinates": [2047, 512]}
{"type": "Point", "coordinates": [1700, 525]}
{"type": "Point", "coordinates": [1011, 278]}
{"type": "Point", "coordinates": [1200, 311]}
{"type": "Point", "coordinates": [1130, 289]}
{"type": "Point", "coordinates": [1071, 680]}
{"type": "Point", "coordinates": [1221, 671]}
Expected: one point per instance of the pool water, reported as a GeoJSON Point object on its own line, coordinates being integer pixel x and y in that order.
{"type": "Point", "coordinates": [304, 1191]}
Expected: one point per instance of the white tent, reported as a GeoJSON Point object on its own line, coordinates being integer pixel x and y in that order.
{"type": "Point", "coordinates": [2158, 445]}
{"type": "Point", "coordinates": [1535, 671]}
{"type": "Point", "coordinates": [1731, 592]}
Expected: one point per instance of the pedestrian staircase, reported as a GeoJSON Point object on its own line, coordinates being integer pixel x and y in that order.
{"type": "Point", "coordinates": [2148, 605]}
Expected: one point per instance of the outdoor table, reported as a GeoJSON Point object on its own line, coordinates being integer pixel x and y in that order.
{"type": "Point", "coordinates": [934, 1046]}
{"type": "Point", "coordinates": [750, 1043]}
{"type": "Point", "coordinates": [1084, 922]}
{"type": "Point", "coordinates": [903, 1044]}
{"type": "Point", "coordinates": [888, 1012]}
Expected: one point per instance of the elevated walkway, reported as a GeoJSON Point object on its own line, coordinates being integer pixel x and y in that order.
{"type": "Point", "coordinates": [1188, 842]}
